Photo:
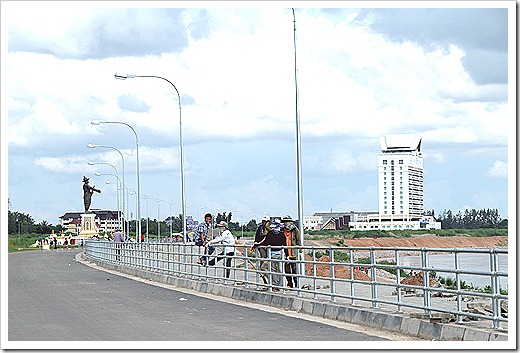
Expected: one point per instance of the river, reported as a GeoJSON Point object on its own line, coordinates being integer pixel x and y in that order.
{"type": "Point", "coordinates": [467, 261]}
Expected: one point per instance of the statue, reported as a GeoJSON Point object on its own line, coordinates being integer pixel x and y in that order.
{"type": "Point", "coordinates": [87, 193]}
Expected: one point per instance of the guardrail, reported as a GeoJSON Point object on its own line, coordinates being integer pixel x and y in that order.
{"type": "Point", "coordinates": [364, 276]}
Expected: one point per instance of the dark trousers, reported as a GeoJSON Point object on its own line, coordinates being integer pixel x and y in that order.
{"type": "Point", "coordinates": [207, 251]}
{"type": "Point", "coordinates": [290, 270]}
{"type": "Point", "coordinates": [228, 256]}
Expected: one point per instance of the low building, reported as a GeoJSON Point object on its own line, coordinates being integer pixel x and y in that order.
{"type": "Point", "coordinates": [106, 221]}
{"type": "Point", "coordinates": [395, 222]}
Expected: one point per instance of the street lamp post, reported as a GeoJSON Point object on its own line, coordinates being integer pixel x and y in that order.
{"type": "Point", "coordinates": [117, 196]}
{"type": "Point", "coordinates": [147, 218]}
{"type": "Point", "coordinates": [137, 233]}
{"type": "Point", "coordinates": [298, 148]}
{"type": "Point", "coordinates": [115, 170]}
{"type": "Point", "coordinates": [90, 145]}
{"type": "Point", "coordinates": [242, 221]}
{"type": "Point", "coordinates": [138, 211]}
{"type": "Point", "coordinates": [158, 219]}
{"type": "Point", "coordinates": [183, 200]}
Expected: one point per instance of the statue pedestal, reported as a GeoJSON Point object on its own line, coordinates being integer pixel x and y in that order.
{"type": "Point", "coordinates": [88, 226]}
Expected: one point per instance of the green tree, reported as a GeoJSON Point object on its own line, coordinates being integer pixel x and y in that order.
{"type": "Point", "coordinates": [251, 226]}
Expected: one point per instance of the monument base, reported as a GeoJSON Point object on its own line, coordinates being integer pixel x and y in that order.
{"type": "Point", "coordinates": [88, 226]}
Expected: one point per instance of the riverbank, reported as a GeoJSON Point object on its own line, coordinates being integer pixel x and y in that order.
{"type": "Point", "coordinates": [420, 241]}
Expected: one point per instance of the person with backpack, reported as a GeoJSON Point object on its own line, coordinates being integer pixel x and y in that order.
{"type": "Point", "coordinates": [276, 239]}
{"type": "Point", "coordinates": [228, 240]}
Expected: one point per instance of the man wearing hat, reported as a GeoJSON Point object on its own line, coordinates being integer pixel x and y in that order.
{"type": "Point", "coordinates": [228, 241]}
{"type": "Point", "coordinates": [275, 238]}
{"type": "Point", "coordinates": [261, 232]}
{"type": "Point", "coordinates": [87, 193]}
{"type": "Point", "coordinates": [292, 238]}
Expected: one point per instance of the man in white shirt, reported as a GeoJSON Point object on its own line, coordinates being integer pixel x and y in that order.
{"type": "Point", "coordinates": [228, 240]}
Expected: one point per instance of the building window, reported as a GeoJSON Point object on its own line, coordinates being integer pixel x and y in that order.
{"type": "Point", "coordinates": [384, 161]}
{"type": "Point", "coordinates": [400, 161]}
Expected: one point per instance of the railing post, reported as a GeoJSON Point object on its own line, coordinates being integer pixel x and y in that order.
{"type": "Point", "coordinates": [457, 280]}
{"type": "Point", "coordinates": [398, 282]}
{"type": "Point", "coordinates": [246, 267]}
{"type": "Point", "coordinates": [269, 273]}
{"type": "Point", "coordinates": [495, 288]}
{"type": "Point", "coordinates": [299, 268]}
{"type": "Point", "coordinates": [315, 295]}
{"type": "Point", "coordinates": [373, 277]}
{"type": "Point", "coordinates": [352, 287]}
{"type": "Point", "coordinates": [332, 282]}
{"type": "Point", "coordinates": [426, 281]}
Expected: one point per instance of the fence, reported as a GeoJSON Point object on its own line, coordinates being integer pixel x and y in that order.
{"type": "Point", "coordinates": [364, 276]}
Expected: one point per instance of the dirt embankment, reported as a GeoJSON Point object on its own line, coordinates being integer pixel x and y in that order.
{"type": "Point", "coordinates": [420, 242]}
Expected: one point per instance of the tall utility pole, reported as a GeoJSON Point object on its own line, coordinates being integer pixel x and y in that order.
{"type": "Point", "coordinates": [298, 155]}
{"type": "Point", "coordinates": [298, 143]}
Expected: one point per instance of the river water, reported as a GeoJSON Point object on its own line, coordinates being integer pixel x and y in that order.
{"type": "Point", "coordinates": [467, 261]}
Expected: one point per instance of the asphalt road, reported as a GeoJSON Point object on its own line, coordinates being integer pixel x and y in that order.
{"type": "Point", "coordinates": [53, 297]}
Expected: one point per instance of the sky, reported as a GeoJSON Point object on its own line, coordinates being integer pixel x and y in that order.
{"type": "Point", "coordinates": [443, 72]}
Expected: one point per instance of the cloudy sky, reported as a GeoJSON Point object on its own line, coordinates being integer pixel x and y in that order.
{"type": "Point", "coordinates": [363, 72]}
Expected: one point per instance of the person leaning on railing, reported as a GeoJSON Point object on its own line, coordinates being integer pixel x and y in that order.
{"type": "Point", "coordinates": [261, 232]}
{"type": "Point", "coordinates": [228, 240]}
{"type": "Point", "coordinates": [292, 238]}
{"type": "Point", "coordinates": [276, 239]}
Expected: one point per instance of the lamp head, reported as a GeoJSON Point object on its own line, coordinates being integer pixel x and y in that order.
{"type": "Point", "coordinates": [90, 145]}
{"type": "Point", "coordinates": [91, 163]}
{"type": "Point", "coordinates": [95, 122]}
{"type": "Point", "coordinates": [97, 174]}
{"type": "Point", "coordinates": [123, 77]}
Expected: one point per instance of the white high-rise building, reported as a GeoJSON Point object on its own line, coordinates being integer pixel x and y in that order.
{"type": "Point", "coordinates": [400, 175]}
{"type": "Point", "coordinates": [401, 187]}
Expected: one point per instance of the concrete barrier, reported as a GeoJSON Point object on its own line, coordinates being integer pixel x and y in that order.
{"type": "Point", "coordinates": [376, 318]}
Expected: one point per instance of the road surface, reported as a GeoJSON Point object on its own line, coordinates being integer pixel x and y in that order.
{"type": "Point", "coordinates": [53, 297]}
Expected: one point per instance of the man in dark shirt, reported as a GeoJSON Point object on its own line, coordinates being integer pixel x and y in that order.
{"type": "Point", "coordinates": [275, 239]}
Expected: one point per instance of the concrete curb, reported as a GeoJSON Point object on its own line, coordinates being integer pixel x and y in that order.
{"type": "Point", "coordinates": [375, 318]}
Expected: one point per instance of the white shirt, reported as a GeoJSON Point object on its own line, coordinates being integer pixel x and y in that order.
{"type": "Point", "coordinates": [227, 239]}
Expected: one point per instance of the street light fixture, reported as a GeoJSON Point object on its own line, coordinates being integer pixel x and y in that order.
{"type": "Point", "coordinates": [137, 234]}
{"type": "Point", "coordinates": [117, 196]}
{"type": "Point", "coordinates": [183, 199]}
{"type": "Point", "coordinates": [147, 218]}
{"type": "Point", "coordinates": [117, 175]}
{"type": "Point", "coordinates": [90, 145]}
{"type": "Point", "coordinates": [138, 211]}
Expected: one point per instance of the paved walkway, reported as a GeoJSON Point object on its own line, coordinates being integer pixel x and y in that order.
{"type": "Point", "coordinates": [53, 297]}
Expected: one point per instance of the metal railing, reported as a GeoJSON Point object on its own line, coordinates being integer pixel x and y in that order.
{"type": "Point", "coordinates": [383, 278]}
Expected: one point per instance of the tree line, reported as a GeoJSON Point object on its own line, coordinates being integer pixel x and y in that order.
{"type": "Point", "coordinates": [470, 219]}
{"type": "Point", "coordinates": [21, 223]}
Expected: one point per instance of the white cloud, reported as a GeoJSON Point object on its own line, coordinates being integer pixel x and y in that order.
{"type": "Point", "coordinates": [236, 65]}
{"type": "Point", "coordinates": [498, 170]}
{"type": "Point", "coordinates": [436, 156]}
{"type": "Point", "coordinates": [340, 161]}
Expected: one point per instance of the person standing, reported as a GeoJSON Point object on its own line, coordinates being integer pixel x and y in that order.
{"type": "Point", "coordinates": [228, 240]}
{"type": "Point", "coordinates": [260, 234]}
{"type": "Point", "coordinates": [276, 239]}
{"type": "Point", "coordinates": [202, 237]}
{"type": "Point", "coordinates": [119, 238]}
{"type": "Point", "coordinates": [292, 238]}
